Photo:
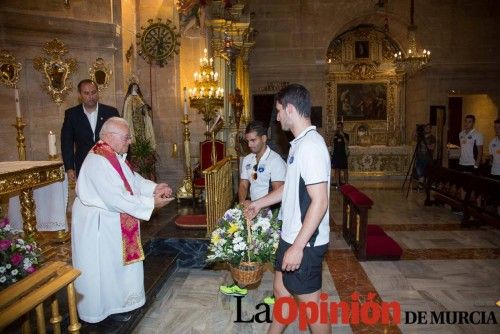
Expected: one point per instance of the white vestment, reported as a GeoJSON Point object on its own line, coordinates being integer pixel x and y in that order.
{"type": "Point", "coordinates": [107, 286]}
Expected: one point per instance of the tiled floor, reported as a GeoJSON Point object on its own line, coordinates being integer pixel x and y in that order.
{"type": "Point", "coordinates": [444, 268]}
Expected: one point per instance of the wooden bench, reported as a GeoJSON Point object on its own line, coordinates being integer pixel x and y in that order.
{"type": "Point", "coordinates": [477, 197]}
{"type": "Point", "coordinates": [369, 242]}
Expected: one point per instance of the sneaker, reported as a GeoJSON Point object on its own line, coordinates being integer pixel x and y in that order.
{"type": "Point", "coordinates": [233, 290]}
{"type": "Point", "coordinates": [270, 300]}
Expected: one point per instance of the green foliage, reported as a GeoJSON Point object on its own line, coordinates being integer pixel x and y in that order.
{"type": "Point", "coordinates": [143, 157]}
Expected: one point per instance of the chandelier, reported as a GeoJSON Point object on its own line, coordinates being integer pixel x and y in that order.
{"type": "Point", "coordinates": [414, 60]}
{"type": "Point", "coordinates": [207, 97]}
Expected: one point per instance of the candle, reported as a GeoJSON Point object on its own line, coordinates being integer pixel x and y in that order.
{"type": "Point", "coordinates": [18, 107]}
{"type": "Point", "coordinates": [52, 144]}
{"type": "Point", "coordinates": [185, 103]}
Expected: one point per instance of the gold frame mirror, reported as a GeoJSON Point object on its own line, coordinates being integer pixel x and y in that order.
{"type": "Point", "coordinates": [56, 71]}
{"type": "Point", "coordinates": [9, 69]}
{"type": "Point", "coordinates": [100, 73]}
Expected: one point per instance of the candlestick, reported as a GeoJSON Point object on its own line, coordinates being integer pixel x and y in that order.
{"type": "Point", "coordinates": [185, 102]}
{"type": "Point", "coordinates": [21, 147]}
{"type": "Point", "coordinates": [18, 107]}
{"type": "Point", "coordinates": [186, 190]}
{"type": "Point", "coordinates": [52, 144]}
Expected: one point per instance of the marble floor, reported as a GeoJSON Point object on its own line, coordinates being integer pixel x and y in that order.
{"type": "Point", "coordinates": [444, 268]}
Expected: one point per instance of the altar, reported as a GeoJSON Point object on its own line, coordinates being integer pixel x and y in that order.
{"type": "Point", "coordinates": [379, 160]}
{"type": "Point", "coordinates": [23, 177]}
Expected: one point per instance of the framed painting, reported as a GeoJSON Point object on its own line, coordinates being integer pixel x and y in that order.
{"type": "Point", "coordinates": [365, 101]}
{"type": "Point", "coordinates": [362, 49]}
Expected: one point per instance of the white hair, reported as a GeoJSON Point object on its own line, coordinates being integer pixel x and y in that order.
{"type": "Point", "coordinates": [111, 124]}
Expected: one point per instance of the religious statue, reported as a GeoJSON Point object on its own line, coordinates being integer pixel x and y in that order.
{"type": "Point", "coordinates": [138, 114]}
{"type": "Point", "coordinates": [237, 104]}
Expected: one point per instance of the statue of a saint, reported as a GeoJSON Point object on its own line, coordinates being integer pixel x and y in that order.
{"type": "Point", "coordinates": [138, 115]}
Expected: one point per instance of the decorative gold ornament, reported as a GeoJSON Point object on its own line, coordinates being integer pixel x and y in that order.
{"type": "Point", "coordinates": [100, 72]}
{"type": "Point", "coordinates": [55, 71]}
{"type": "Point", "coordinates": [159, 41]}
{"type": "Point", "coordinates": [9, 69]}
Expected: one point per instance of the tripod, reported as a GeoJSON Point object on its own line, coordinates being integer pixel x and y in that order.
{"type": "Point", "coordinates": [411, 168]}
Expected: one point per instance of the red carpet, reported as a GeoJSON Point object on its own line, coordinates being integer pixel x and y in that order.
{"type": "Point", "coordinates": [198, 222]}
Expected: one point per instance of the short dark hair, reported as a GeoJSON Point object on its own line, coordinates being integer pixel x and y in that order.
{"type": "Point", "coordinates": [85, 81]}
{"type": "Point", "coordinates": [298, 96]}
{"type": "Point", "coordinates": [472, 117]}
{"type": "Point", "coordinates": [497, 121]}
{"type": "Point", "coordinates": [257, 127]}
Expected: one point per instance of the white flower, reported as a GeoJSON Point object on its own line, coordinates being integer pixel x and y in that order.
{"type": "Point", "coordinates": [8, 266]}
{"type": "Point", "coordinates": [3, 279]}
{"type": "Point", "coordinates": [2, 269]}
{"type": "Point", "coordinates": [14, 272]}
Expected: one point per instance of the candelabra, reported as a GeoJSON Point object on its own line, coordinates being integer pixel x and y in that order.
{"type": "Point", "coordinates": [413, 61]}
{"type": "Point", "coordinates": [186, 190]}
{"type": "Point", "coordinates": [207, 97]}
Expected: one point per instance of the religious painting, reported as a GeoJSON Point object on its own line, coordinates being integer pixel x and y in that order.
{"type": "Point", "coordinates": [362, 101]}
{"type": "Point", "coordinates": [362, 49]}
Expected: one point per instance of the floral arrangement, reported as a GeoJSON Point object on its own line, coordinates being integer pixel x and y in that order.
{"type": "Point", "coordinates": [230, 241]}
{"type": "Point", "coordinates": [18, 257]}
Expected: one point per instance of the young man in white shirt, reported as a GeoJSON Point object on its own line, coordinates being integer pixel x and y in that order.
{"type": "Point", "coordinates": [262, 170]}
{"type": "Point", "coordinates": [469, 138]}
{"type": "Point", "coordinates": [304, 206]}
{"type": "Point", "coordinates": [494, 150]}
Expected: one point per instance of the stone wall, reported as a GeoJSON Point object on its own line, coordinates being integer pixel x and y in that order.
{"type": "Point", "coordinates": [294, 36]}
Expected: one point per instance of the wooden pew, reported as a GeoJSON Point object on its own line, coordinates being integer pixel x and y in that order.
{"type": "Point", "coordinates": [477, 197]}
{"type": "Point", "coordinates": [369, 242]}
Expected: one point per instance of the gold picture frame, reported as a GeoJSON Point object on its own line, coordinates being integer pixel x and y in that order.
{"type": "Point", "coordinates": [100, 73]}
{"type": "Point", "coordinates": [56, 71]}
{"type": "Point", "coordinates": [9, 69]}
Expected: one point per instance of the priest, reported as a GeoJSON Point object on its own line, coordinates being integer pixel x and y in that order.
{"type": "Point", "coordinates": [105, 230]}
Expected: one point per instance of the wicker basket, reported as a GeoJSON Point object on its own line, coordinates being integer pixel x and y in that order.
{"type": "Point", "coordinates": [247, 273]}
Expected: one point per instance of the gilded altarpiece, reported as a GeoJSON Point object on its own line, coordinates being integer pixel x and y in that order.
{"type": "Point", "coordinates": [365, 91]}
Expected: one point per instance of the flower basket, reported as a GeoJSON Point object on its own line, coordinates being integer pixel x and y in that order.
{"type": "Point", "coordinates": [247, 273]}
{"type": "Point", "coordinates": [245, 245]}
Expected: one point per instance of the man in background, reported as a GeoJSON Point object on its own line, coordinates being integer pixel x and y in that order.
{"type": "Point", "coordinates": [494, 150]}
{"type": "Point", "coordinates": [81, 127]}
{"type": "Point", "coordinates": [426, 143]}
{"type": "Point", "coordinates": [262, 171]}
{"type": "Point", "coordinates": [471, 146]}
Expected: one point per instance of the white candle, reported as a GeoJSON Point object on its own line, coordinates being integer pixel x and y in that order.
{"type": "Point", "coordinates": [52, 144]}
{"type": "Point", "coordinates": [185, 103]}
{"type": "Point", "coordinates": [18, 107]}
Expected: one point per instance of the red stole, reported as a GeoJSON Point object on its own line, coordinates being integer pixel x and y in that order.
{"type": "Point", "coordinates": [131, 241]}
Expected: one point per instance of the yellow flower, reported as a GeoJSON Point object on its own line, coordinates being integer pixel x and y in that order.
{"type": "Point", "coordinates": [215, 239]}
{"type": "Point", "coordinates": [232, 228]}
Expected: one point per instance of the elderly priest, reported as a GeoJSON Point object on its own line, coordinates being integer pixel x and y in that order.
{"type": "Point", "coordinates": [105, 229]}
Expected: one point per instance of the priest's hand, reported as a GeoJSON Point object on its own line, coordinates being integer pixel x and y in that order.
{"type": "Point", "coordinates": [161, 201]}
{"type": "Point", "coordinates": [163, 190]}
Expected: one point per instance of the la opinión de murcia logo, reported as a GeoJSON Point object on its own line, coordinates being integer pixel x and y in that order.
{"type": "Point", "coordinates": [287, 310]}
{"type": "Point", "coordinates": [371, 312]}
